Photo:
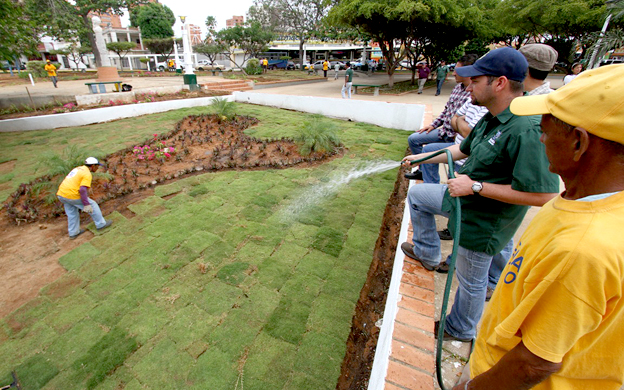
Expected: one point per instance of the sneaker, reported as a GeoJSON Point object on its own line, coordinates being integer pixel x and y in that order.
{"type": "Point", "coordinates": [108, 223]}
{"type": "Point", "coordinates": [447, 336]}
{"type": "Point", "coordinates": [76, 235]}
{"type": "Point", "coordinates": [445, 234]}
{"type": "Point", "coordinates": [408, 250]}
{"type": "Point", "coordinates": [443, 268]}
{"type": "Point", "coordinates": [489, 293]}
{"type": "Point", "coordinates": [417, 175]}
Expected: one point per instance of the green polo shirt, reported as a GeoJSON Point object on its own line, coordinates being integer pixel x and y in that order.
{"type": "Point", "coordinates": [503, 149]}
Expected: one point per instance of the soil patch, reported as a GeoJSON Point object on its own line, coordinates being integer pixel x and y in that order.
{"type": "Point", "coordinates": [362, 342]}
{"type": "Point", "coordinates": [140, 98]}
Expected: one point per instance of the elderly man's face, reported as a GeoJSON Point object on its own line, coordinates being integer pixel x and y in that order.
{"type": "Point", "coordinates": [559, 144]}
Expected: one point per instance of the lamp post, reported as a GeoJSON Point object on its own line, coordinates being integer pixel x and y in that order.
{"type": "Point", "coordinates": [188, 64]}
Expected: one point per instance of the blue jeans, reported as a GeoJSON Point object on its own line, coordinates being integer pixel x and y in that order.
{"type": "Point", "coordinates": [475, 270]}
{"type": "Point", "coordinates": [431, 172]}
{"type": "Point", "coordinates": [72, 209]}
{"type": "Point", "coordinates": [417, 140]}
{"type": "Point", "coordinates": [440, 82]}
{"type": "Point", "coordinates": [425, 201]}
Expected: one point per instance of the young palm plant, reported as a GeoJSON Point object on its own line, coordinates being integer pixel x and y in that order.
{"type": "Point", "coordinates": [317, 135]}
{"type": "Point", "coordinates": [223, 108]}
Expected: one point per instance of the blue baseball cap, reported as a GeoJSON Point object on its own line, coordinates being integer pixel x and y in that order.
{"type": "Point", "coordinates": [505, 61]}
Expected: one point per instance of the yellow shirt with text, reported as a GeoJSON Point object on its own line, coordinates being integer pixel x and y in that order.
{"type": "Point", "coordinates": [78, 177]}
{"type": "Point", "coordinates": [561, 295]}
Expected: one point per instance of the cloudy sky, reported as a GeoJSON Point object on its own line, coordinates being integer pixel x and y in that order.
{"type": "Point", "coordinates": [196, 11]}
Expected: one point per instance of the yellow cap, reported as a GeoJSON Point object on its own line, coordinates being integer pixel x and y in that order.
{"type": "Point", "coordinates": [594, 100]}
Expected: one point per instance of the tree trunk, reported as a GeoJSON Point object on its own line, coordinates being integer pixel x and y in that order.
{"type": "Point", "coordinates": [96, 52]}
{"type": "Point", "coordinates": [301, 59]}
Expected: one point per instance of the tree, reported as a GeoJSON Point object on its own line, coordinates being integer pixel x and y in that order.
{"type": "Point", "coordinates": [162, 46]}
{"type": "Point", "coordinates": [74, 52]}
{"type": "Point", "coordinates": [563, 23]}
{"type": "Point", "coordinates": [413, 28]}
{"type": "Point", "coordinates": [210, 50]}
{"type": "Point", "coordinates": [211, 25]}
{"type": "Point", "coordinates": [121, 48]}
{"type": "Point", "coordinates": [19, 34]}
{"type": "Point", "coordinates": [298, 18]}
{"type": "Point", "coordinates": [251, 40]}
{"type": "Point", "coordinates": [64, 20]}
{"type": "Point", "coordinates": [154, 19]}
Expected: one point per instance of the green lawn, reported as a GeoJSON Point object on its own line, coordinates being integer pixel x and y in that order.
{"type": "Point", "coordinates": [220, 286]}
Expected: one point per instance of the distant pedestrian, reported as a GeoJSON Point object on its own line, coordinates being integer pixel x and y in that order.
{"type": "Point", "coordinates": [423, 74]}
{"type": "Point", "coordinates": [336, 70]}
{"type": "Point", "coordinates": [348, 81]}
{"type": "Point", "coordinates": [73, 193]}
{"type": "Point", "coordinates": [441, 73]}
{"type": "Point", "coordinates": [265, 65]}
{"type": "Point", "coordinates": [325, 68]}
{"type": "Point", "coordinates": [51, 69]}
{"type": "Point", "coordinates": [576, 69]}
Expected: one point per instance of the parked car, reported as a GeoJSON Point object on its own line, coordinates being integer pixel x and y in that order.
{"type": "Point", "coordinates": [207, 65]}
{"type": "Point", "coordinates": [306, 65]}
{"type": "Point", "coordinates": [405, 64]}
{"type": "Point", "coordinates": [356, 65]}
{"type": "Point", "coordinates": [162, 66]}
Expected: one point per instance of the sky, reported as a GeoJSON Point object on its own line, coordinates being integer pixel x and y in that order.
{"type": "Point", "coordinates": [196, 12]}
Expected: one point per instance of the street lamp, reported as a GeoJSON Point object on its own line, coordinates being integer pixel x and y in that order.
{"type": "Point", "coordinates": [188, 65]}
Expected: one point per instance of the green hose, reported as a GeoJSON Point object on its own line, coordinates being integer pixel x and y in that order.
{"type": "Point", "coordinates": [449, 278]}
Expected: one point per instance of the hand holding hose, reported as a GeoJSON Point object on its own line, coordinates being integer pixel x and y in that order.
{"type": "Point", "coordinates": [408, 161]}
{"type": "Point", "coordinates": [460, 186]}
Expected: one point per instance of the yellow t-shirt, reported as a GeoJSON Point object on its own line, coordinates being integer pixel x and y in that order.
{"type": "Point", "coordinates": [78, 177]}
{"type": "Point", "coordinates": [325, 65]}
{"type": "Point", "coordinates": [562, 295]}
{"type": "Point", "coordinates": [51, 69]}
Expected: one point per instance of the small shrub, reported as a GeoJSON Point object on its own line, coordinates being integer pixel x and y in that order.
{"type": "Point", "coordinates": [36, 68]}
{"type": "Point", "coordinates": [253, 67]}
{"type": "Point", "coordinates": [223, 108]}
{"type": "Point", "coordinates": [317, 135]}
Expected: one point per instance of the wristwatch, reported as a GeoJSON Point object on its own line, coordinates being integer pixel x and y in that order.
{"type": "Point", "coordinates": [477, 186]}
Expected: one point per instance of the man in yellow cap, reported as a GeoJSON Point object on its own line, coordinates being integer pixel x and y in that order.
{"type": "Point", "coordinates": [51, 69]}
{"type": "Point", "coordinates": [73, 193]}
{"type": "Point", "coordinates": [557, 320]}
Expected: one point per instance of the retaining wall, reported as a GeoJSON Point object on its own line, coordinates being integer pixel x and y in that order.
{"type": "Point", "coordinates": [394, 115]}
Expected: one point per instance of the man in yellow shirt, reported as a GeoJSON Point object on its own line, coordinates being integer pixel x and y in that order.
{"type": "Point", "coordinates": [51, 69]}
{"type": "Point", "coordinates": [557, 320]}
{"type": "Point", "coordinates": [73, 194]}
{"type": "Point", "coordinates": [325, 68]}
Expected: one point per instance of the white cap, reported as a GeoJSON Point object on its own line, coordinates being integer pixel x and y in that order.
{"type": "Point", "coordinates": [92, 161]}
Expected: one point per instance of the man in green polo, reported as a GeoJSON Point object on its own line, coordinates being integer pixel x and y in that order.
{"type": "Point", "coordinates": [506, 172]}
{"type": "Point", "coordinates": [441, 72]}
{"type": "Point", "coordinates": [348, 81]}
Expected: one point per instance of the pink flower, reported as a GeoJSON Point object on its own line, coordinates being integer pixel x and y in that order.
{"type": "Point", "coordinates": [155, 135]}
{"type": "Point", "coordinates": [167, 155]}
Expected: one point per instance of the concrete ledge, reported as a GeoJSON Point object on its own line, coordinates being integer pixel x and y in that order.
{"type": "Point", "coordinates": [393, 115]}
{"type": "Point", "coordinates": [286, 83]}
{"type": "Point", "coordinates": [99, 115]}
{"type": "Point", "coordinates": [127, 97]}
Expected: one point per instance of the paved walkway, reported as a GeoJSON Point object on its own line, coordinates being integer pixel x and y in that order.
{"type": "Point", "coordinates": [412, 362]}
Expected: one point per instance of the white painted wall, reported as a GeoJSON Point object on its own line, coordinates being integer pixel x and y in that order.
{"type": "Point", "coordinates": [99, 115]}
{"type": "Point", "coordinates": [393, 115]}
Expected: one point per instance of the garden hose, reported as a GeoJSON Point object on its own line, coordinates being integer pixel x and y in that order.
{"type": "Point", "coordinates": [451, 263]}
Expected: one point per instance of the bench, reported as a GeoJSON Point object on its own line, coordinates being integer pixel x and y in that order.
{"type": "Point", "coordinates": [100, 86]}
{"type": "Point", "coordinates": [375, 93]}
